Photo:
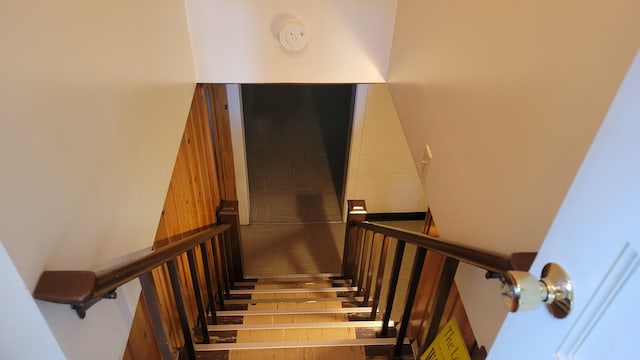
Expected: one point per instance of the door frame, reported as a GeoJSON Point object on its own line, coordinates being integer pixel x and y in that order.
{"type": "Point", "coordinates": [355, 145]}
{"type": "Point", "coordinates": [236, 120]}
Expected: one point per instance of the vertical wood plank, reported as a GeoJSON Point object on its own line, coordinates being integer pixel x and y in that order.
{"type": "Point", "coordinates": [223, 141]}
{"type": "Point", "coordinates": [141, 344]}
{"type": "Point", "coordinates": [208, 141]}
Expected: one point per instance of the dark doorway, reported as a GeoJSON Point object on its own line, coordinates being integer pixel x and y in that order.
{"type": "Point", "coordinates": [297, 140]}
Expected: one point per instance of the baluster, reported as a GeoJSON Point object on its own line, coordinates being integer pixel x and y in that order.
{"type": "Point", "coordinates": [442, 295]}
{"type": "Point", "coordinates": [228, 250]}
{"type": "Point", "coordinates": [373, 254]}
{"type": "Point", "coordinates": [217, 264]}
{"type": "Point", "coordinates": [393, 283]}
{"type": "Point", "coordinates": [363, 262]}
{"type": "Point", "coordinates": [151, 299]}
{"type": "Point", "coordinates": [195, 279]}
{"type": "Point", "coordinates": [348, 258]}
{"type": "Point", "coordinates": [228, 213]}
{"type": "Point", "coordinates": [356, 259]}
{"type": "Point", "coordinates": [224, 263]}
{"type": "Point", "coordinates": [416, 270]}
{"type": "Point", "coordinates": [381, 265]}
{"type": "Point", "coordinates": [182, 312]}
{"type": "Point", "coordinates": [206, 264]}
{"type": "Point", "coordinates": [357, 213]}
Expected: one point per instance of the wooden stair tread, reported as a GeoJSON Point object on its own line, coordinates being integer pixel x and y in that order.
{"type": "Point", "coordinates": [327, 282]}
{"type": "Point", "coordinates": [299, 290]}
{"type": "Point", "coordinates": [314, 353]}
{"type": "Point", "coordinates": [266, 278]}
{"type": "Point", "coordinates": [355, 299]}
{"type": "Point", "coordinates": [305, 325]}
{"type": "Point", "coordinates": [296, 316]}
{"type": "Point", "coordinates": [350, 310]}
{"type": "Point", "coordinates": [296, 344]}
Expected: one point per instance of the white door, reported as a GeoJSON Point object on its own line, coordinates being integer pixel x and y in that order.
{"type": "Point", "coordinates": [596, 238]}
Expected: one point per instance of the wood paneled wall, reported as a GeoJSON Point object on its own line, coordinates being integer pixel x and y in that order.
{"type": "Point", "coordinates": [142, 342]}
{"type": "Point", "coordinates": [203, 174]}
{"type": "Point", "coordinates": [427, 293]}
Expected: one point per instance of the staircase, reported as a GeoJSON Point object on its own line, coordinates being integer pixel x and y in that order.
{"type": "Point", "coordinates": [299, 316]}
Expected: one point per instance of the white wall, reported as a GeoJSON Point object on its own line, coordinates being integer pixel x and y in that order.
{"type": "Point", "coordinates": [233, 41]}
{"type": "Point", "coordinates": [509, 96]}
{"type": "Point", "coordinates": [93, 101]}
{"type": "Point", "coordinates": [381, 169]}
{"type": "Point", "coordinates": [23, 330]}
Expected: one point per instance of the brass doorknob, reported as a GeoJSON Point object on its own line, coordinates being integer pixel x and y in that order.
{"type": "Point", "coordinates": [521, 291]}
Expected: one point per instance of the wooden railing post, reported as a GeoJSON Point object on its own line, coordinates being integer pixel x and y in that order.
{"type": "Point", "coordinates": [393, 284]}
{"type": "Point", "coordinates": [381, 265]}
{"type": "Point", "coordinates": [228, 213]}
{"type": "Point", "coordinates": [373, 256]}
{"type": "Point", "coordinates": [357, 211]}
{"type": "Point", "coordinates": [444, 287]}
{"type": "Point", "coordinates": [151, 299]}
{"type": "Point", "coordinates": [219, 271]}
{"type": "Point", "coordinates": [225, 273]}
{"type": "Point", "coordinates": [174, 276]}
{"type": "Point", "coordinates": [197, 293]}
{"type": "Point", "coordinates": [206, 263]}
{"type": "Point", "coordinates": [357, 256]}
{"type": "Point", "coordinates": [362, 261]}
{"type": "Point", "coordinates": [416, 271]}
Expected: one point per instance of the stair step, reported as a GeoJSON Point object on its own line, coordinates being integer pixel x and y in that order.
{"type": "Point", "coordinates": [296, 344]}
{"type": "Point", "coordinates": [292, 290]}
{"type": "Point", "coordinates": [350, 310]}
{"type": "Point", "coordinates": [318, 276]}
{"type": "Point", "coordinates": [318, 325]}
{"type": "Point", "coordinates": [358, 299]}
{"type": "Point", "coordinates": [305, 282]}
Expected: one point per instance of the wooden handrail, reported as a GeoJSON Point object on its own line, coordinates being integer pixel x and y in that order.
{"type": "Point", "coordinates": [83, 288]}
{"type": "Point", "coordinates": [488, 260]}
{"type": "Point", "coordinates": [365, 238]}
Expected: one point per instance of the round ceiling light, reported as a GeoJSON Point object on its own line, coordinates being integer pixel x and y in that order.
{"type": "Point", "coordinates": [293, 36]}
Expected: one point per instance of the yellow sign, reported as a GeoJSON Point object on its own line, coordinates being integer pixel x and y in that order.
{"type": "Point", "coordinates": [448, 345]}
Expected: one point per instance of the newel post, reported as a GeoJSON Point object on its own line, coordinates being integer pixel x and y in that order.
{"type": "Point", "coordinates": [228, 213]}
{"type": "Point", "coordinates": [356, 213]}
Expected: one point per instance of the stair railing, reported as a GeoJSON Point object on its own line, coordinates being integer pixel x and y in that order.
{"type": "Point", "coordinates": [367, 246]}
{"type": "Point", "coordinates": [220, 262]}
